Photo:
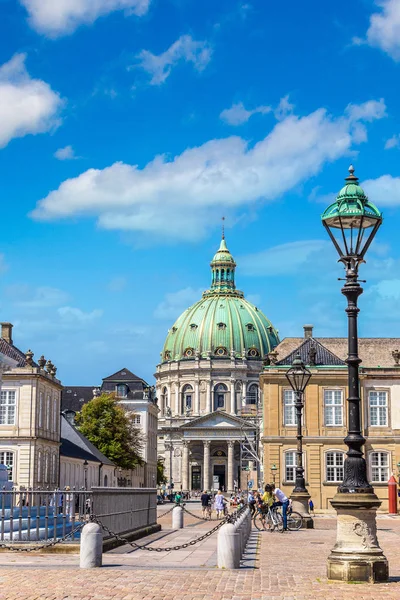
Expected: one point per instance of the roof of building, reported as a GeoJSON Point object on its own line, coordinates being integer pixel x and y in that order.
{"type": "Point", "coordinates": [312, 352]}
{"type": "Point", "coordinates": [73, 397]}
{"type": "Point", "coordinates": [123, 375]}
{"type": "Point", "coordinates": [222, 323]}
{"type": "Point", "coordinates": [15, 353]}
{"type": "Point", "coordinates": [374, 352]}
{"type": "Point", "coordinates": [76, 445]}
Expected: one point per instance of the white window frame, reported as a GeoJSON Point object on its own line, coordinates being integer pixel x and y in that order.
{"type": "Point", "coordinates": [289, 408]}
{"type": "Point", "coordinates": [137, 419]}
{"type": "Point", "coordinates": [380, 410]}
{"type": "Point", "coordinates": [376, 472]}
{"type": "Point", "coordinates": [291, 466]}
{"type": "Point", "coordinates": [335, 466]}
{"type": "Point", "coordinates": [7, 405]}
{"type": "Point", "coordinates": [334, 408]}
{"type": "Point", "coordinates": [4, 460]}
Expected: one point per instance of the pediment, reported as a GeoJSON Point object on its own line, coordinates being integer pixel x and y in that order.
{"type": "Point", "coordinates": [219, 420]}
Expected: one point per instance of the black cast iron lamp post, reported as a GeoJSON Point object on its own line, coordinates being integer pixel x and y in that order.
{"type": "Point", "coordinates": [298, 376]}
{"type": "Point", "coordinates": [352, 222]}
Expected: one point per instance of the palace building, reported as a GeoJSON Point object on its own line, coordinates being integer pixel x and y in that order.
{"type": "Point", "coordinates": [208, 383]}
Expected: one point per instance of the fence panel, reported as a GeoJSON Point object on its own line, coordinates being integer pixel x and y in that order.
{"type": "Point", "coordinates": [125, 510]}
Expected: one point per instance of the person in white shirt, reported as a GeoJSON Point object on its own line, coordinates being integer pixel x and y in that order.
{"type": "Point", "coordinates": [282, 500]}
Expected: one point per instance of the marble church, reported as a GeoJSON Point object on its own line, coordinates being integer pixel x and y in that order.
{"type": "Point", "coordinates": [208, 383]}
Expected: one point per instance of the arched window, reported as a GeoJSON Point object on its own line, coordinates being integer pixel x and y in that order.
{"type": "Point", "coordinates": [164, 399]}
{"type": "Point", "coordinates": [105, 481]}
{"type": "Point", "coordinates": [228, 274]}
{"type": "Point", "coordinates": [252, 394]}
{"type": "Point", "coordinates": [46, 468]}
{"type": "Point", "coordinates": [122, 390]}
{"type": "Point", "coordinates": [39, 466]}
{"type": "Point", "coordinates": [217, 275]}
{"type": "Point", "coordinates": [222, 275]}
{"type": "Point", "coordinates": [220, 391]}
{"type": "Point", "coordinates": [187, 397]}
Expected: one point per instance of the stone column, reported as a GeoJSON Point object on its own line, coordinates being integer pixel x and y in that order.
{"type": "Point", "coordinates": [230, 478]}
{"type": "Point", "coordinates": [185, 467]}
{"type": "Point", "coordinates": [244, 392]}
{"type": "Point", "coordinates": [196, 398]}
{"type": "Point", "coordinates": [177, 411]}
{"type": "Point", "coordinates": [206, 465]}
{"type": "Point", "coordinates": [233, 399]}
{"type": "Point", "coordinates": [209, 397]}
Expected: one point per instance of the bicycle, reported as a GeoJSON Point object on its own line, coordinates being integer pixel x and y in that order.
{"type": "Point", "coordinates": [268, 520]}
{"type": "Point", "coordinates": [294, 519]}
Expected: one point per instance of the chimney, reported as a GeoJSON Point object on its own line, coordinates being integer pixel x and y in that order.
{"type": "Point", "coordinates": [6, 332]}
{"type": "Point", "coordinates": [69, 415]}
{"type": "Point", "coordinates": [308, 329]}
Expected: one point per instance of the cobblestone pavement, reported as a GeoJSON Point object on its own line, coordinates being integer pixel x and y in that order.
{"type": "Point", "coordinates": [288, 567]}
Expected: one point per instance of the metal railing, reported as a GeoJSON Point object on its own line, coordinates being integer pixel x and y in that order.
{"type": "Point", "coordinates": [33, 515]}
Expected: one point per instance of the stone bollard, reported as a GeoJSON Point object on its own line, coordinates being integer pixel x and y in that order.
{"type": "Point", "coordinates": [91, 550]}
{"type": "Point", "coordinates": [177, 517]}
{"type": "Point", "coordinates": [228, 547]}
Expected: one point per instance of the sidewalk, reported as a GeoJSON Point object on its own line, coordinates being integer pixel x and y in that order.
{"type": "Point", "coordinates": [288, 566]}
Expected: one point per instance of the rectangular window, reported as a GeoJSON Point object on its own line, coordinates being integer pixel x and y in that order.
{"type": "Point", "coordinates": [7, 458]}
{"type": "Point", "coordinates": [334, 466]}
{"type": "Point", "coordinates": [378, 409]}
{"type": "Point", "coordinates": [40, 416]}
{"type": "Point", "coordinates": [289, 410]}
{"type": "Point", "coordinates": [290, 466]}
{"type": "Point", "coordinates": [333, 403]}
{"type": "Point", "coordinates": [48, 413]}
{"type": "Point", "coordinates": [7, 407]}
{"type": "Point", "coordinates": [55, 415]}
{"type": "Point", "coordinates": [136, 419]}
{"type": "Point", "coordinates": [379, 467]}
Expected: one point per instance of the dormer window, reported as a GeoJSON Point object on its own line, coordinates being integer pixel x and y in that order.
{"type": "Point", "coordinates": [174, 329]}
{"type": "Point", "coordinates": [122, 390]}
{"type": "Point", "coordinates": [167, 355]}
{"type": "Point", "coordinates": [250, 327]}
{"type": "Point", "coordinates": [253, 353]}
{"type": "Point", "coordinates": [221, 325]}
{"type": "Point", "coordinates": [189, 353]}
{"type": "Point", "coordinates": [193, 326]}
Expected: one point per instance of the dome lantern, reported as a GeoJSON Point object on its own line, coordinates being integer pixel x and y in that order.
{"type": "Point", "coordinates": [222, 270]}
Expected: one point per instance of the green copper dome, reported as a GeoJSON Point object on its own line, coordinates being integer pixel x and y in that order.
{"type": "Point", "coordinates": [222, 324]}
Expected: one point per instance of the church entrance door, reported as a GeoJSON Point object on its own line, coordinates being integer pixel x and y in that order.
{"type": "Point", "coordinates": [196, 478]}
{"type": "Point", "coordinates": [219, 471]}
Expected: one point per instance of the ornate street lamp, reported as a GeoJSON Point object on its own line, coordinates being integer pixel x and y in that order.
{"type": "Point", "coordinates": [352, 222]}
{"type": "Point", "coordinates": [298, 376]}
{"type": "Point", "coordinates": [274, 469]}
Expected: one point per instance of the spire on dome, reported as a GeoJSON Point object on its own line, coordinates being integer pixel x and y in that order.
{"type": "Point", "coordinates": [223, 268]}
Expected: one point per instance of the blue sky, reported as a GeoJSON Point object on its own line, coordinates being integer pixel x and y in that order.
{"type": "Point", "coordinates": [128, 128]}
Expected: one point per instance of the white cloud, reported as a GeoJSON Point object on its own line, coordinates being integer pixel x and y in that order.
{"type": "Point", "coordinates": [283, 259]}
{"type": "Point", "coordinates": [176, 302]}
{"type": "Point", "coordinates": [393, 142]}
{"type": "Point", "coordinates": [27, 106]}
{"type": "Point", "coordinates": [66, 153]}
{"type": "Point", "coordinates": [388, 289]}
{"type": "Point", "coordinates": [384, 28]}
{"type": "Point", "coordinates": [60, 17]}
{"type": "Point", "coordinates": [179, 197]}
{"type": "Point", "coordinates": [283, 109]}
{"type": "Point", "coordinates": [185, 49]}
{"type": "Point", "coordinates": [238, 114]}
{"type": "Point", "coordinates": [41, 297]}
{"type": "Point", "coordinates": [71, 314]}
{"type": "Point", "coordinates": [383, 191]}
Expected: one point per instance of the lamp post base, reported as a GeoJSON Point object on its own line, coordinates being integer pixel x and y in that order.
{"type": "Point", "coordinates": [300, 505]}
{"type": "Point", "coordinates": [357, 555]}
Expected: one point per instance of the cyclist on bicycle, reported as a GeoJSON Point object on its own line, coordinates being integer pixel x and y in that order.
{"type": "Point", "coordinates": [282, 500]}
{"type": "Point", "coordinates": [206, 504]}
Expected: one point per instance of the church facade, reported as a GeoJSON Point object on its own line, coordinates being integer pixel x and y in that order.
{"type": "Point", "coordinates": [208, 383]}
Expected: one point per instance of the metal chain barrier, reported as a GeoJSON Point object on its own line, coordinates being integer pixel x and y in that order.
{"type": "Point", "coordinates": [45, 545]}
{"type": "Point", "coordinates": [167, 512]}
{"type": "Point", "coordinates": [200, 518]}
{"type": "Point", "coordinates": [227, 519]}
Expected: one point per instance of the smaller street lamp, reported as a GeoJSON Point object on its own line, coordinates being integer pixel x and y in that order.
{"type": "Point", "coordinates": [85, 472]}
{"type": "Point", "coordinates": [298, 376]}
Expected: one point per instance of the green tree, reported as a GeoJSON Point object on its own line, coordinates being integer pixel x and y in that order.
{"type": "Point", "coordinates": [111, 429]}
{"type": "Point", "coordinates": [160, 471]}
